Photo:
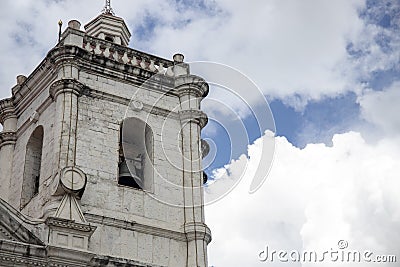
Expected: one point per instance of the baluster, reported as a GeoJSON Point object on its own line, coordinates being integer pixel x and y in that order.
{"type": "Point", "coordinates": [97, 50]}
{"type": "Point", "coordinates": [125, 58]}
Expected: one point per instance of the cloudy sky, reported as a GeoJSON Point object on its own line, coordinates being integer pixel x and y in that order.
{"type": "Point", "coordinates": [330, 71]}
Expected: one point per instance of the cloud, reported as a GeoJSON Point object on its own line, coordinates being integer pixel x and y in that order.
{"type": "Point", "coordinates": [312, 198]}
{"type": "Point", "coordinates": [288, 47]}
{"type": "Point", "coordinates": [294, 50]}
{"type": "Point", "coordinates": [382, 109]}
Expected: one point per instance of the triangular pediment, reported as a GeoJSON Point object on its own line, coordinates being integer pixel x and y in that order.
{"type": "Point", "coordinates": [12, 227]}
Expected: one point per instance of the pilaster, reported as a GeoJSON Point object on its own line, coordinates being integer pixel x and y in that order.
{"type": "Point", "coordinates": [65, 92]}
{"type": "Point", "coordinates": [7, 143]}
{"type": "Point", "coordinates": [191, 89]}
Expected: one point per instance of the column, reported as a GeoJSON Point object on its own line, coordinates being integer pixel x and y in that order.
{"type": "Point", "coordinates": [191, 89]}
{"type": "Point", "coordinates": [8, 119]}
{"type": "Point", "coordinates": [65, 92]}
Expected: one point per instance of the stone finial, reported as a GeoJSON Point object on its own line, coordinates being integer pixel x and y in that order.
{"type": "Point", "coordinates": [74, 24]}
{"type": "Point", "coordinates": [178, 58]}
{"type": "Point", "coordinates": [21, 79]}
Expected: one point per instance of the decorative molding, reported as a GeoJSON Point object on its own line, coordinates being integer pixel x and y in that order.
{"type": "Point", "coordinates": [191, 85]}
{"type": "Point", "coordinates": [7, 138]}
{"type": "Point", "coordinates": [36, 83]}
{"type": "Point", "coordinates": [114, 262]}
{"type": "Point", "coordinates": [66, 86]}
{"type": "Point", "coordinates": [68, 224]}
{"type": "Point", "coordinates": [134, 226]}
{"type": "Point", "coordinates": [195, 116]}
{"type": "Point", "coordinates": [22, 254]}
{"type": "Point", "coordinates": [7, 109]}
{"type": "Point", "coordinates": [14, 228]}
{"type": "Point", "coordinates": [196, 231]}
{"type": "Point", "coordinates": [6, 234]}
{"type": "Point", "coordinates": [90, 92]}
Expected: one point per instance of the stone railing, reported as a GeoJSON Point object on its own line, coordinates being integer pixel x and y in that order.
{"type": "Point", "coordinates": [128, 56]}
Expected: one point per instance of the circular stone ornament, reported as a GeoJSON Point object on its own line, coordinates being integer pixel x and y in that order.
{"type": "Point", "coordinates": [73, 179]}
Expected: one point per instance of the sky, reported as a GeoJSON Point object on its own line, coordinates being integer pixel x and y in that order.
{"type": "Point", "coordinates": [330, 71]}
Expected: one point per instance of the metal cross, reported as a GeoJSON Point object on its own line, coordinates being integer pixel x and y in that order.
{"type": "Point", "coordinates": [107, 8]}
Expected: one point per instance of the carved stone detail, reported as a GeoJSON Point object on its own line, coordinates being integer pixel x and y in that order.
{"type": "Point", "coordinates": [192, 85]}
{"type": "Point", "coordinates": [195, 116]}
{"type": "Point", "coordinates": [197, 231]}
{"type": "Point", "coordinates": [7, 138]}
{"type": "Point", "coordinates": [66, 86]}
{"type": "Point", "coordinates": [7, 109]}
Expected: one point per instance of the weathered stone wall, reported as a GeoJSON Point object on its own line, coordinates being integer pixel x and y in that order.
{"type": "Point", "coordinates": [99, 122]}
{"type": "Point", "coordinates": [80, 95]}
{"type": "Point", "coordinates": [25, 129]}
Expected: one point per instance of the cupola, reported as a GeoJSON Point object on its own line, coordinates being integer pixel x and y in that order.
{"type": "Point", "coordinates": [109, 27]}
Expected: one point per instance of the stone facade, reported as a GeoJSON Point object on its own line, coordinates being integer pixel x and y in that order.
{"type": "Point", "coordinates": [89, 99]}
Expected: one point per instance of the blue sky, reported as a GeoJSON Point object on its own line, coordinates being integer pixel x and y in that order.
{"type": "Point", "coordinates": [330, 71]}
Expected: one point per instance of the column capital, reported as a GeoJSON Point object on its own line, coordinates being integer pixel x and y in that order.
{"type": "Point", "coordinates": [195, 116]}
{"type": "Point", "coordinates": [66, 86]}
{"type": "Point", "coordinates": [7, 138]}
{"type": "Point", "coordinates": [197, 231]}
{"type": "Point", "coordinates": [191, 85]}
{"type": "Point", "coordinates": [7, 110]}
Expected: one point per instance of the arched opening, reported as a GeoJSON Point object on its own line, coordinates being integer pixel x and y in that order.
{"type": "Point", "coordinates": [109, 38]}
{"type": "Point", "coordinates": [33, 162]}
{"type": "Point", "coordinates": [136, 154]}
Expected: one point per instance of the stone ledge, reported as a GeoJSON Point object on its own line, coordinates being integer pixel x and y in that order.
{"type": "Point", "coordinates": [64, 223]}
{"type": "Point", "coordinates": [134, 226]}
{"type": "Point", "coordinates": [117, 262]}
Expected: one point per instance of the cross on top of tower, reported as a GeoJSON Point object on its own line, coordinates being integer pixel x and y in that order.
{"type": "Point", "coordinates": [108, 9]}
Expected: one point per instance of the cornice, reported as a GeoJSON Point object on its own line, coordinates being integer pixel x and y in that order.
{"type": "Point", "coordinates": [22, 254]}
{"type": "Point", "coordinates": [135, 226]}
{"type": "Point", "coordinates": [112, 261]}
{"type": "Point", "coordinates": [64, 223]}
{"type": "Point", "coordinates": [36, 82]}
{"type": "Point", "coordinates": [152, 109]}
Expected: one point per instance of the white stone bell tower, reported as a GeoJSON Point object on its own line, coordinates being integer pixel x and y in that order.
{"type": "Point", "coordinates": [100, 154]}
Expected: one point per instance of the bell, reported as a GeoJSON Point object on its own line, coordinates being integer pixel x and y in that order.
{"type": "Point", "coordinates": [126, 177]}
{"type": "Point", "coordinates": [124, 170]}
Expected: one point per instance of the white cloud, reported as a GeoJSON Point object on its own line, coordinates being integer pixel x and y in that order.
{"type": "Point", "coordinates": [294, 50]}
{"type": "Point", "coordinates": [313, 198]}
{"type": "Point", "coordinates": [382, 109]}
{"type": "Point", "coordinates": [288, 47]}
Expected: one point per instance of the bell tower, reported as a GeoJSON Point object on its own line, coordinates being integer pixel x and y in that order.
{"type": "Point", "coordinates": [109, 27]}
{"type": "Point", "coordinates": [101, 153]}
